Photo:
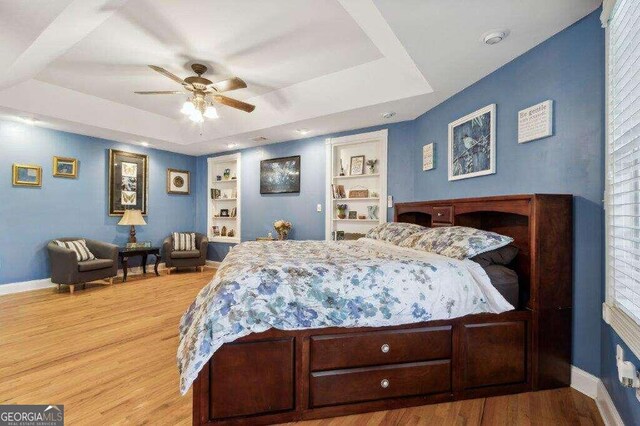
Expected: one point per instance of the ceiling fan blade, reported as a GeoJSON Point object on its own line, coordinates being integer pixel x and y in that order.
{"type": "Point", "coordinates": [161, 92]}
{"type": "Point", "coordinates": [167, 74]}
{"type": "Point", "coordinates": [234, 103]}
{"type": "Point", "coordinates": [230, 84]}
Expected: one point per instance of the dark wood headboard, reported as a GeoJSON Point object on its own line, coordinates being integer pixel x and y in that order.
{"type": "Point", "coordinates": [540, 224]}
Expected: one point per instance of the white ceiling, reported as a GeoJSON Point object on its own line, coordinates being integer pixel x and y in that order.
{"type": "Point", "coordinates": [324, 65]}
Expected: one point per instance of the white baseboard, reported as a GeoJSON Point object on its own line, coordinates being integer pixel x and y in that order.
{"type": "Point", "coordinates": [213, 263]}
{"type": "Point", "coordinates": [46, 282]}
{"type": "Point", "coordinates": [137, 270]}
{"type": "Point", "coordinates": [593, 387]}
{"type": "Point", "coordinates": [25, 286]}
{"type": "Point", "coordinates": [584, 382]}
{"type": "Point", "coordinates": [608, 411]}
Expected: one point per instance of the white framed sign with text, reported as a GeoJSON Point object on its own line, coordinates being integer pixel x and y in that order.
{"type": "Point", "coordinates": [535, 122]}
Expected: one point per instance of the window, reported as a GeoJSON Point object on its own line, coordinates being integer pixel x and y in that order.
{"type": "Point", "coordinates": [622, 309]}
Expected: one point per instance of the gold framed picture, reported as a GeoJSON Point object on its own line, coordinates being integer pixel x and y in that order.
{"type": "Point", "coordinates": [65, 167]}
{"type": "Point", "coordinates": [178, 182]}
{"type": "Point", "coordinates": [27, 175]}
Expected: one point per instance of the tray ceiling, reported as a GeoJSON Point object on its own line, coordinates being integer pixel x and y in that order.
{"type": "Point", "coordinates": [324, 65]}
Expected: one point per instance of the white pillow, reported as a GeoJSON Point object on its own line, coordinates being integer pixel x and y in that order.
{"type": "Point", "coordinates": [79, 246]}
{"type": "Point", "coordinates": [184, 241]}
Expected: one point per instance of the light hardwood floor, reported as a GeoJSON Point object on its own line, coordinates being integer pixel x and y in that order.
{"type": "Point", "coordinates": [108, 354]}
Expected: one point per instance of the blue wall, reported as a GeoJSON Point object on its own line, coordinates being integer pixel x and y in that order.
{"type": "Point", "coordinates": [568, 69]}
{"type": "Point", "coordinates": [30, 217]}
{"type": "Point", "coordinates": [260, 211]}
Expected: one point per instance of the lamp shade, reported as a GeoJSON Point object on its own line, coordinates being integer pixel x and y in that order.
{"type": "Point", "coordinates": [132, 217]}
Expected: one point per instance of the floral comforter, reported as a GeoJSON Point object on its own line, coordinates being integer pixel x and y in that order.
{"type": "Point", "coordinates": [292, 285]}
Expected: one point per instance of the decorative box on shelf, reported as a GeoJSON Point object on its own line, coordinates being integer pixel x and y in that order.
{"type": "Point", "coordinates": [359, 193]}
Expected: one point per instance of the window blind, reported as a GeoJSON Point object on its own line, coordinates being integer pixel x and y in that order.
{"type": "Point", "coordinates": [623, 158]}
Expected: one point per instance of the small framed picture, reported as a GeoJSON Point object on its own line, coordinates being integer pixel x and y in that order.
{"type": "Point", "coordinates": [27, 175]}
{"type": "Point", "coordinates": [216, 231]}
{"type": "Point", "coordinates": [353, 214]}
{"type": "Point", "coordinates": [356, 166]}
{"type": "Point", "coordinates": [178, 182]}
{"type": "Point", "coordinates": [224, 212]}
{"type": "Point", "coordinates": [65, 167]}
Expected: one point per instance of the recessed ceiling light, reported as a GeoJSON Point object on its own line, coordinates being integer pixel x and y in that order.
{"type": "Point", "coordinates": [232, 145]}
{"type": "Point", "coordinates": [494, 37]}
{"type": "Point", "coordinates": [144, 143]}
{"type": "Point", "coordinates": [388, 115]}
{"type": "Point", "coordinates": [303, 131]}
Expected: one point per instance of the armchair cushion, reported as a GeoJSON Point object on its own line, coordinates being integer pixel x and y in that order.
{"type": "Point", "coordinates": [92, 265]}
{"type": "Point", "coordinates": [185, 254]}
{"type": "Point", "coordinates": [79, 247]}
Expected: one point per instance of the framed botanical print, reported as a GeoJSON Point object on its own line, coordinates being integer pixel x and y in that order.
{"type": "Point", "coordinates": [65, 167]}
{"type": "Point", "coordinates": [472, 144]}
{"type": "Point", "coordinates": [27, 175]}
{"type": "Point", "coordinates": [128, 182]}
{"type": "Point", "coordinates": [178, 182]}
{"type": "Point", "coordinates": [280, 175]}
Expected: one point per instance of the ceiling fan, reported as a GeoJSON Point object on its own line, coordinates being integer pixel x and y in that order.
{"type": "Point", "coordinates": [204, 93]}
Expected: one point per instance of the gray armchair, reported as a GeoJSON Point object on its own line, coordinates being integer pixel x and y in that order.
{"type": "Point", "coordinates": [185, 258]}
{"type": "Point", "coordinates": [65, 268]}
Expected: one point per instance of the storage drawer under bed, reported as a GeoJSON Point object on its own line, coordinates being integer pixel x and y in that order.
{"type": "Point", "coordinates": [371, 383]}
{"type": "Point", "coordinates": [336, 351]}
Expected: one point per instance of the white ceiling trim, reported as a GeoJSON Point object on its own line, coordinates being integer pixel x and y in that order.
{"type": "Point", "coordinates": [393, 77]}
{"type": "Point", "coordinates": [76, 21]}
{"type": "Point", "coordinates": [43, 101]}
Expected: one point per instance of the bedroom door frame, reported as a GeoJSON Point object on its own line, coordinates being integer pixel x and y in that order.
{"type": "Point", "coordinates": [333, 170]}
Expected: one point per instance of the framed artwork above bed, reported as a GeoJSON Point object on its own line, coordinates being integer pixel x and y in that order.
{"type": "Point", "coordinates": [128, 182]}
{"type": "Point", "coordinates": [472, 144]}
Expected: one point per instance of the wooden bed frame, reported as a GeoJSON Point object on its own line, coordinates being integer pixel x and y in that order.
{"type": "Point", "coordinates": [282, 376]}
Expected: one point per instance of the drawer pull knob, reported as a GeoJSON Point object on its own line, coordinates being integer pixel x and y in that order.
{"type": "Point", "coordinates": [384, 383]}
{"type": "Point", "coordinates": [440, 214]}
{"type": "Point", "coordinates": [385, 348]}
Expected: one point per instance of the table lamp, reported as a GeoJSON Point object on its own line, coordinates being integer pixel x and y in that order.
{"type": "Point", "coordinates": [132, 218]}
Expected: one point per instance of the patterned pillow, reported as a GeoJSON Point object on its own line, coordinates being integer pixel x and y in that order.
{"type": "Point", "coordinates": [393, 232]}
{"type": "Point", "coordinates": [79, 247]}
{"type": "Point", "coordinates": [458, 242]}
{"type": "Point", "coordinates": [184, 241]}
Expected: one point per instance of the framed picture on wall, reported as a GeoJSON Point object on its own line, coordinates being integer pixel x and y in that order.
{"type": "Point", "coordinates": [128, 182]}
{"type": "Point", "coordinates": [280, 175]}
{"type": "Point", "coordinates": [178, 182]}
{"type": "Point", "coordinates": [27, 175]}
{"type": "Point", "coordinates": [472, 144]}
{"type": "Point", "coordinates": [65, 167]}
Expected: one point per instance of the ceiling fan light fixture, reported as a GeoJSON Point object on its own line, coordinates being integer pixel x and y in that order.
{"type": "Point", "coordinates": [188, 108]}
{"type": "Point", "coordinates": [211, 112]}
{"type": "Point", "coordinates": [196, 117]}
